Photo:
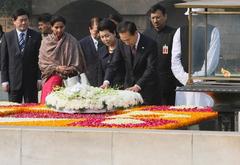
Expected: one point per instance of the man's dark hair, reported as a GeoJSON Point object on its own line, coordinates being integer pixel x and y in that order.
{"type": "Point", "coordinates": [107, 24]}
{"type": "Point", "coordinates": [19, 12]}
{"type": "Point", "coordinates": [94, 20]}
{"type": "Point", "coordinates": [57, 18]}
{"type": "Point", "coordinates": [116, 17]}
{"type": "Point", "coordinates": [1, 29]}
{"type": "Point", "coordinates": [45, 17]}
{"type": "Point", "coordinates": [127, 26]}
{"type": "Point", "coordinates": [156, 7]}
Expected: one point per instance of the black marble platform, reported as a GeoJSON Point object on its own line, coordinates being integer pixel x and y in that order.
{"type": "Point", "coordinates": [214, 87]}
{"type": "Point", "coordinates": [226, 101]}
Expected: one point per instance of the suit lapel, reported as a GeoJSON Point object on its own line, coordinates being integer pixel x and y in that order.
{"type": "Point", "coordinates": [140, 51]}
{"type": "Point", "coordinates": [91, 42]}
{"type": "Point", "coordinates": [28, 37]}
{"type": "Point", "coordinates": [16, 41]}
{"type": "Point", "coordinates": [128, 53]}
{"type": "Point", "coordinates": [104, 51]}
{"type": "Point", "coordinates": [28, 41]}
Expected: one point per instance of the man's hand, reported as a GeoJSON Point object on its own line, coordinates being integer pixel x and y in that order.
{"type": "Point", "coordinates": [134, 88]}
{"type": "Point", "coordinates": [105, 85]}
{"type": "Point", "coordinates": [5, 87]}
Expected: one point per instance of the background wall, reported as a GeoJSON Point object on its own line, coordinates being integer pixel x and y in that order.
{"type": "Point", "coordinates": [78, 12]}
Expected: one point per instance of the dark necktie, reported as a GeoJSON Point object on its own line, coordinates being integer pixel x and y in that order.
{"type": "Point", "coordinates": [134, 52]}
{"type": "Point", "coordinates": [21, 41]}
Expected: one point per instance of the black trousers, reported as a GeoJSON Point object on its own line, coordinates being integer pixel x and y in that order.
{"type": "Point", "coordinates": [168, 96]}
{"type": "Point", "coordinates": [28, 95]}
{"type": "Point", "coordinates": [166, 90]}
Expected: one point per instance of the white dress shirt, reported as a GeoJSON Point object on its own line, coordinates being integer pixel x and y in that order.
{"type": "Point", "coordinates": [138, 38]}
{"type": "Point", "coordinates": [194, 98]}
{"type": "Point", "coordinates": [19, 32]}
{"type": "Point", "coordinates": [95, 42]}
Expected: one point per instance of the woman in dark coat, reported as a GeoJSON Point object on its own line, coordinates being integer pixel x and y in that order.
{"type": "Point", "coordinates": [107, 32]}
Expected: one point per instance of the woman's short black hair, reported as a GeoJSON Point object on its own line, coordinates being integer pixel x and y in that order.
{"type": "Point", "coordinates": [107, 24]}
{"type": "Point", "coordinates": [57, 18]}
{"type": "Point", "coordinates": [127, 26]}
{"type": "Point", "coordinates": [19, 12]}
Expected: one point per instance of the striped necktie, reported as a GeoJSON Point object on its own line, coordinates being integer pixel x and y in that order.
{"type": "Point", "coordinates": [21, 41]}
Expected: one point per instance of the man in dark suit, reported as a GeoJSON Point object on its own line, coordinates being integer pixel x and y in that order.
{"type": "Point", "coordinates": [20, 49]}
{"type": "Point", "coordinates": [139, 54]}
{"type": "Point", "coordinates": [90, 45]}
{"type": "Point", "coordinates": [160, 32]}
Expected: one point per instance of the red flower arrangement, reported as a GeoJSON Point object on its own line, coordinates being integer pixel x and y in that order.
{"type": "Point", "coordinates": [146, 117]}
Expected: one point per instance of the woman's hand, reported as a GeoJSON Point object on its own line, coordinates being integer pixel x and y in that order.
{"type": "Point", "coordinates": [61, 69]}
{"type": "Point", "coordinates": [70, 70]}
{"type": "Point", "coordinates": [65, 70]}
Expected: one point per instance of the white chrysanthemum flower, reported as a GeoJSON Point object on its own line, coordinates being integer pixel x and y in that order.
{"type": "Point", "coordinates": [81, 97]}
